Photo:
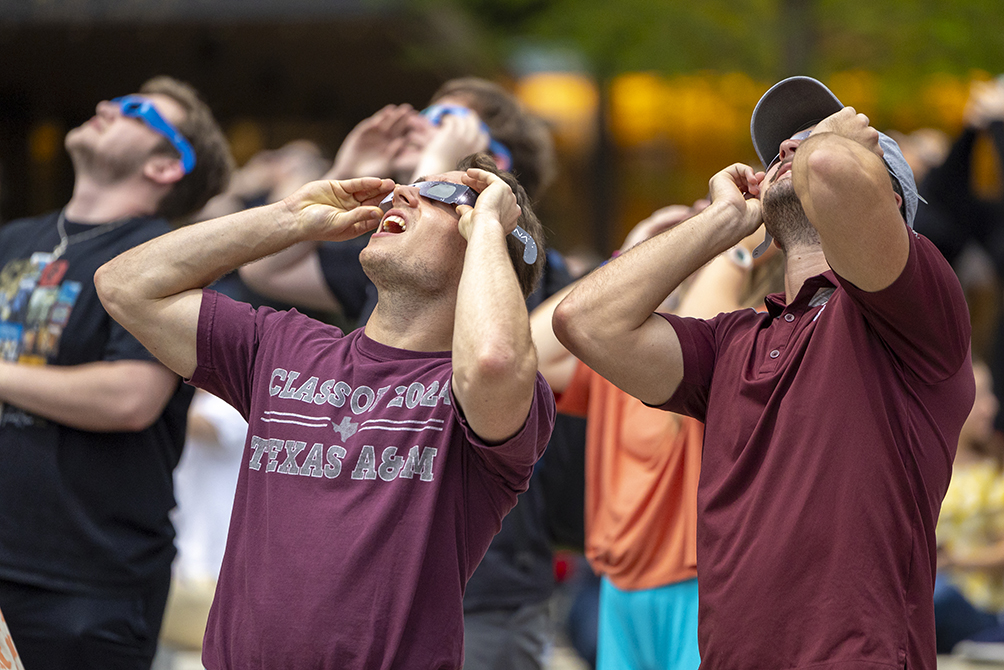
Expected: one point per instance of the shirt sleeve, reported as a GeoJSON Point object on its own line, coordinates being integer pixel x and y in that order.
{"type": "Point", "coordinates": [227, 342]}
{"type": "Point", "coordinates": [699, 344]}
{"type": "Point", "coordinates": [513, 460]}
{"type": "Point", "coordinates": [922, 316]}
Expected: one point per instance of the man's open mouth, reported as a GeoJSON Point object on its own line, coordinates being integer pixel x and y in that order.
{"type": "Point", "coordinates": [393, 224]}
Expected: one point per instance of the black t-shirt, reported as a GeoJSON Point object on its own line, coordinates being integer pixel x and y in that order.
{"type": "Point", "coordinates": [343, 273]}
{"type": "Point", "coordinates": [79, 511]}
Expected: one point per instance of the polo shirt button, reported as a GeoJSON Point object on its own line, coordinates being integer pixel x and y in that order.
{"type": "Point", "coordinates": [789, 317]}
{"type": "Point", "coordinates": [775, 353]}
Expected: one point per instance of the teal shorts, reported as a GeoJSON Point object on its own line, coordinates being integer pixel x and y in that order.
{"type": "Point", "coordinates": [652, 629]}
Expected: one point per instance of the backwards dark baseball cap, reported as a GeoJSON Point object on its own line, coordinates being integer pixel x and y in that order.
{"type": "Point", "coordinates": [796, 103]}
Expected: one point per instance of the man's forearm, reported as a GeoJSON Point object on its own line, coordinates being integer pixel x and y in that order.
{"type": "Point", "coordinates": [154, 290]}
{"type": "Point", "coordinates": [101, 396]}
{"type": "Point", "coordinates": [494, 362]}
{"type": "Point", "coordinates": [621, 295]}
{"type": "Point", "coordinates": [196, 255]}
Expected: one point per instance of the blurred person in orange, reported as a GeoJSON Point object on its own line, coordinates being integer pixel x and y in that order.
{"type": "Point", "coordinates": [91, 424]}
{"type": "Point", "coordinates": [642, 470]}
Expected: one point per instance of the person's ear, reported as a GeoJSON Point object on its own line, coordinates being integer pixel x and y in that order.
{"type": "Point", "coordinates": [163, 169]}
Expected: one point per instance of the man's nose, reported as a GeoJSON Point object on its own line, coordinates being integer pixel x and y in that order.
{"type": "Point", "coordinates": [107, 108]}
{"type": "Point", "coordinates": [788, 148]}
{"type": "Point", "coordinates": [406, 194]}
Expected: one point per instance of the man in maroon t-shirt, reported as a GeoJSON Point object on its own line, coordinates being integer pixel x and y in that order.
{"type": "Point", "coordinates": [831, 418]}
{"type": "Point", "coordinates": [378, 464]}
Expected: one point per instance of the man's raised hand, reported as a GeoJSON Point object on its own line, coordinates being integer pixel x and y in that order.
{"type": "Point", "coordinates": [852, 125]}
{"type": "Point", "coordinates": [339, 210]}
{"type": "Point", "coordinates": [739, 187]}
{"type": "Point", "coordinates": [496, 201]}
{"type": "Point", "coordinates": [457, 136]}
{"type": "Point", "coordinates": [370, 147]}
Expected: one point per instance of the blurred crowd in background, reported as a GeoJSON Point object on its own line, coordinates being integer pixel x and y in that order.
{"type": "Point", "coordinates": [959, 176]}
{"type": "Point", "coordinates": [619, 150]}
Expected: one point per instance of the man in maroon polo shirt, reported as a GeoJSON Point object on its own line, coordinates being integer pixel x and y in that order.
{"type": "Point", "coordinates": [832, 418]}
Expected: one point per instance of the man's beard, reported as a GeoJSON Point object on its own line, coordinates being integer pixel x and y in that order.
{"type": "Point", "coordinates": [409, 278]}
{"type": "Point", "coordinates": [104, 169]}
{"type": "Point", "coordinates": [784, 218]}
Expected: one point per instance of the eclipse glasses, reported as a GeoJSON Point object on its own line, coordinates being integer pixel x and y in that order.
{"type": "Point", "coordinates": [138, 107]}
{"type": "Point", "coordinates": [458, 194]}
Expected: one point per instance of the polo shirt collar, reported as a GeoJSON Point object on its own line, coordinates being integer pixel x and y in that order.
{"type": "Point", "coordinates": [815, 291]}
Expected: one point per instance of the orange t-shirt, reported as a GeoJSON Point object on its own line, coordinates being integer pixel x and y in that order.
{"type": "Point", "coordinates": [642, 468]}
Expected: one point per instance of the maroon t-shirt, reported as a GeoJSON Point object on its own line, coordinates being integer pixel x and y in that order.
{"type": "Point", "coordinates": [832, 424]}
{"type": "Point", "coordinates": [365, 501]}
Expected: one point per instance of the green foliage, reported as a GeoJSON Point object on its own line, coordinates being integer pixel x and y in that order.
{"type": "Point", "coordinates": [764, 38]}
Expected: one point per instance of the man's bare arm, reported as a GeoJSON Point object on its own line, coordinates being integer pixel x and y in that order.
{"type": "Point", "coordinates": [155, 290]}
{"type": "Point", "coordinates": [104, 396]}
{"type": "Point", "coordinates": [847, 194]}
{"type": "Point", "coordinates": [607, 321]}
{"type": "Point", "coordinates": [494, 362]}
{"type": "Point", "coordinates": [555, 362]}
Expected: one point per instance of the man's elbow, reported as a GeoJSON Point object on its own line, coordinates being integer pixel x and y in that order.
{"type": "Point", "coordinates": [832, 169]}
{"type": "Point", "coordinates": [110, 290]}
{"type": "Point", "coordinates": [497, 367]}
{"type": "Point", "coordinates": [567, 326]}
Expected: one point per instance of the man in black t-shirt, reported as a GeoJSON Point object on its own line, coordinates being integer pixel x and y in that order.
{"type": "Point", "coordinates": [91, 425]}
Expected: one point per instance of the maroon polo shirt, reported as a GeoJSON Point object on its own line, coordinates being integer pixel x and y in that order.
{"type": "Point", "coordinates": [831, 428]}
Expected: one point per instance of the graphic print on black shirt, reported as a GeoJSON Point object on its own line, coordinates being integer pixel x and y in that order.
{"type": "Point", "coordinates": [35, 305]}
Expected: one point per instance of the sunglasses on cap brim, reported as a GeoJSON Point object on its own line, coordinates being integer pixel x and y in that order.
{"type": "Point", "coordinates": [138, 107]}
{"type": "Point", "coordinates": [458, 194]}
{"type": "Point", "coordinates": [435, 114]}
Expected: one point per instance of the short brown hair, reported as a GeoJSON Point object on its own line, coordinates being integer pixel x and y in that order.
{"type": "Point", "coordinates": [525, 135]}
{"type": "Point", "coordinates": [213, 162]}
{"type": "Point", "coordinates": [527, 274]}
